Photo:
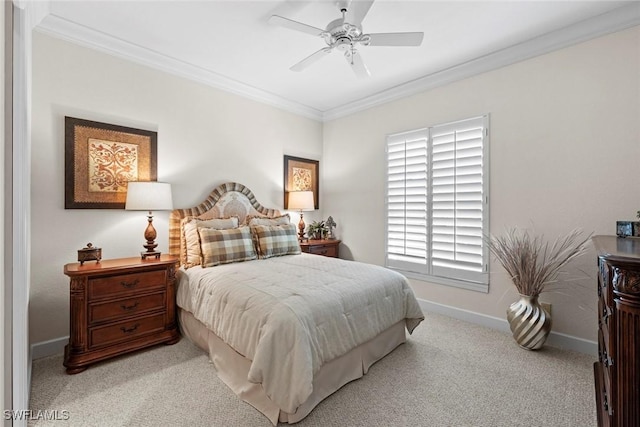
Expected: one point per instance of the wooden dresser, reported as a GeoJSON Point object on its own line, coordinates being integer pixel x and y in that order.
{"type": "Point", "coordinates": [617, 371]}
{"type": "Point", "coordinates": [118, 306]}
{"type": "Point", "coordinates": [330, 248]}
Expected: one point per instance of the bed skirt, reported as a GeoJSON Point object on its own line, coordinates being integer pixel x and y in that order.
{"type": "Point", "coordinates": [233, 368]}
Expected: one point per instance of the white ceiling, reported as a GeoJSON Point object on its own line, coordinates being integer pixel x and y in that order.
{"type": "Point", "coordinates": [230, 44]}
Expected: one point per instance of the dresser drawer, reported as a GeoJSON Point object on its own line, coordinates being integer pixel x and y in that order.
{"type": "Point", "coordinates": [126, 307]}
{"type": "Point", "coordinates": [603, 403]}
{"type": "Point", "coordinates": [604, 282]}
{"type": "Point", "coordinates": [605, 360]}
{"type": "Point", "coordinates": [605, 318]}
{"type": "Point", "coordinates": [125, 331]}
{"type": "Point", "coordinates": [326, 250]}
{"type": "Point", "coordinates": [110, 286]}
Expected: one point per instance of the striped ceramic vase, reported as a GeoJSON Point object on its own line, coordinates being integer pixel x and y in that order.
{"type": "Point", "coordinates": [530, 323]}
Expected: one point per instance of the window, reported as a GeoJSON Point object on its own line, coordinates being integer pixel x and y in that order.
{"type": "Point", "coordinates": [437, 203]}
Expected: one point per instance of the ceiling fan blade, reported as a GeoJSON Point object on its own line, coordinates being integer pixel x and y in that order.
{"type": "Point", "coordinates": [395, 39]}
{"type": "Point", "coordinates": [357, 11]}
{"type": "Point", "coordinates": [289, 7]}
{"type": "Point", "coordinates": [314, 57]}
{"type": "Point", "coordinates": [295, 25]}
{"type": "Point", "coordinates": [357, 64]}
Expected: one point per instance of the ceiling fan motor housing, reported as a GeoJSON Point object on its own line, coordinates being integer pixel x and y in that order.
{"type": "Point", "coordinates": [342, 35]}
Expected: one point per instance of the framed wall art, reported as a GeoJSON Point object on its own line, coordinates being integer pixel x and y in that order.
{"type": "Point", "coordinates": [301, 175]}
{"type": "Point", "coordinates": [100, 159]}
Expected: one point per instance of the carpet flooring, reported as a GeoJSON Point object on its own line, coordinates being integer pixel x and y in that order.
{"type": "Point", "coordinates": [449, 373]}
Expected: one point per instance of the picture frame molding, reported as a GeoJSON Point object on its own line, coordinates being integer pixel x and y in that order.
{"type": "Point", "coordinates": [313, 165]}
{"type": "Point", "coordinates": [71, 198]}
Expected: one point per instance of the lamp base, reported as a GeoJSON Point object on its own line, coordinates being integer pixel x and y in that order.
{"type": "Point", "coordinates": [301, 226]}
{"type": "Point", "coordinates": [154, 254]}
{"type": "Point", "coordinates": [150, 236]}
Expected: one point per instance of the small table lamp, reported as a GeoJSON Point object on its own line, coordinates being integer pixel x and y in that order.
{"type": "Point", "coordinates": [149, 196]}
{"type": "Point", "coordinates": [302, 201]}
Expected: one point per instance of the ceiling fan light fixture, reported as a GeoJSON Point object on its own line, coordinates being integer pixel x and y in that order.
{"type": "Point", "coordinates": [344, 33]}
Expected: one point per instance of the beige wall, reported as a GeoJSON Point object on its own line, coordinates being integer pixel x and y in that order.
{"type": "Point", "coordinates": [564, 153]}
{"type": "Point", "coordinates": [205, 137]}
{"type": "Point", "coordinates": [564, 147]}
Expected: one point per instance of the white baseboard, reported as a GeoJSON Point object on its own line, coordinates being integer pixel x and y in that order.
{"type": "Point", "coordinates": [48, 348]}
{"type": "Point", "coordinates": [555, 339]}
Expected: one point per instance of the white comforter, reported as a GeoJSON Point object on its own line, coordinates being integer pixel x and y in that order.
{"type": "Point", "coordinates": [291, 314]}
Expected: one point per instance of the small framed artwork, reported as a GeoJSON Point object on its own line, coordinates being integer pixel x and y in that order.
{"type": "Point", "coordinates": [624, 228]}
{"type": "Point", "coordinates": [301, 175]}
{"type": "Point", "coordinates": [628, 228]}
{"type": "Point", "coordinates": [101, 158]}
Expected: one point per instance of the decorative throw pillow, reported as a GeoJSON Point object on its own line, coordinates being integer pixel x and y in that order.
{"type": "Point", "coordinates": [276, 240]}
{"type": "Point", "coordinates": [267, 220]}
{"type": "Point", "coordinates": [225, 246]}
{"type": "Point", "coordinates": [191, 253]}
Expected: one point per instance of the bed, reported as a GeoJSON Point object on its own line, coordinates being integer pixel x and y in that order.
{"type": "Point", "coordinates": [283, 329]}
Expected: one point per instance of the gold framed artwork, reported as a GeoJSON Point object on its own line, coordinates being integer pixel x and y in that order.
{"type": "Point", "coordinates": [101, 158]}
{"type": "Point", "coordinates": [301, 175]}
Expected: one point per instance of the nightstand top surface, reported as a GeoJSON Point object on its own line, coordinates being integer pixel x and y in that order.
{"type": "Point", "coordinates": [321, 242]}
{"type": "Point", "coordinates": [117, 263]}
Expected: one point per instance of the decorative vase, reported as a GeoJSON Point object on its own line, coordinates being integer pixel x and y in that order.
{"type": "Point", "coordinates": [530, 323]}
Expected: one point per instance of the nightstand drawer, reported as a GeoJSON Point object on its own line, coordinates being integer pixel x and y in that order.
{"type": "Point", "coordinates": [126, 307]}
{"type": "Point", "coordinates": [124, 331]}
{"type": "Point", "coordinates": [326, 250]}
{"type": "Point", "coordinates": [327, 247]}
{"type": "Point", "coordinates": [102, 287]}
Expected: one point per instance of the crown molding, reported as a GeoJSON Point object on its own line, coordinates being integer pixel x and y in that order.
{"type": "Point", "coordinates": [610, 22]}
{"type": "Point", "coordinates": [616, 20]}
{"type": "Point", "coordinates": [63, 29]}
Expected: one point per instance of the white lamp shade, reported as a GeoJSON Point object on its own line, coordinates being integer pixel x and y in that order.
{"type": "Point", "coordinates": [301, 200]}
{"type": "Point", "coordinates": [149, 196]}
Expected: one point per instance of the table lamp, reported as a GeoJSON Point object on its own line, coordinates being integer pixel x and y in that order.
{"type": "Point", "coordinates": [149, 196]}
{"type": "Point", "coordinates": [302, 201]}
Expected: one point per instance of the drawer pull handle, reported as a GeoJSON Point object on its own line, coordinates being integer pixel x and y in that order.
{"type": "Point", "coordinates": [605, 359]}
{"type": "Point", "coordinates": [132, 329]}
{"type": "Point", "coordinates": [130, 285]}
{"type": "Point", "coordinates": [129, 307]}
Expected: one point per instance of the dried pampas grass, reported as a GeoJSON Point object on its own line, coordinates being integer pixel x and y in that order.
{"type": "Point", "coordinates": [532, 263]}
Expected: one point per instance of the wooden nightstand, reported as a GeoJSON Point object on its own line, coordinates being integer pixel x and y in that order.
{"type": "Point", "coordinates": [118, 306]}
{"type": "Point", "coordinates": [328, 248]}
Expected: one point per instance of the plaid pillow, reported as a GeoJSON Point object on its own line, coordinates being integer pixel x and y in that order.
{"type": "Point", "coordinates": [191, 253]}
{"type": "Point", "coordinates": [267, 220]}
{"type": "Point", "coordinates": [276, 240]}
{"type": "Point", "coordinates": [225, 246]}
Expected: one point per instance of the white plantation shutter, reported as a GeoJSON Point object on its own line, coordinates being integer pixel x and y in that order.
{"type": "Point", "coordinates": [437, 201]}
{"type": "Point", "coordinates": [407, 230]}
{"type": "Point", "coordinates": [458, 200]}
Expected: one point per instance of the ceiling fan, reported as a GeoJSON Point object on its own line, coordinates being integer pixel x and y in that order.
{"type": "Point", "coordinates": [344, 34]}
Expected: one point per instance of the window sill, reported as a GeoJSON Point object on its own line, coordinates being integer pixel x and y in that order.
{"type": "Point", "coordinates": [462, 284]}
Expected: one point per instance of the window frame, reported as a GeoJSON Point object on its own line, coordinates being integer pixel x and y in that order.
{"type": "Point", "coordinates": [478, 281]}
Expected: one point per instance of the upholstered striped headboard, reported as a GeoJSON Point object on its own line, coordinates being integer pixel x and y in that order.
{"type": "Point", "coordinates": [228, 199]}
